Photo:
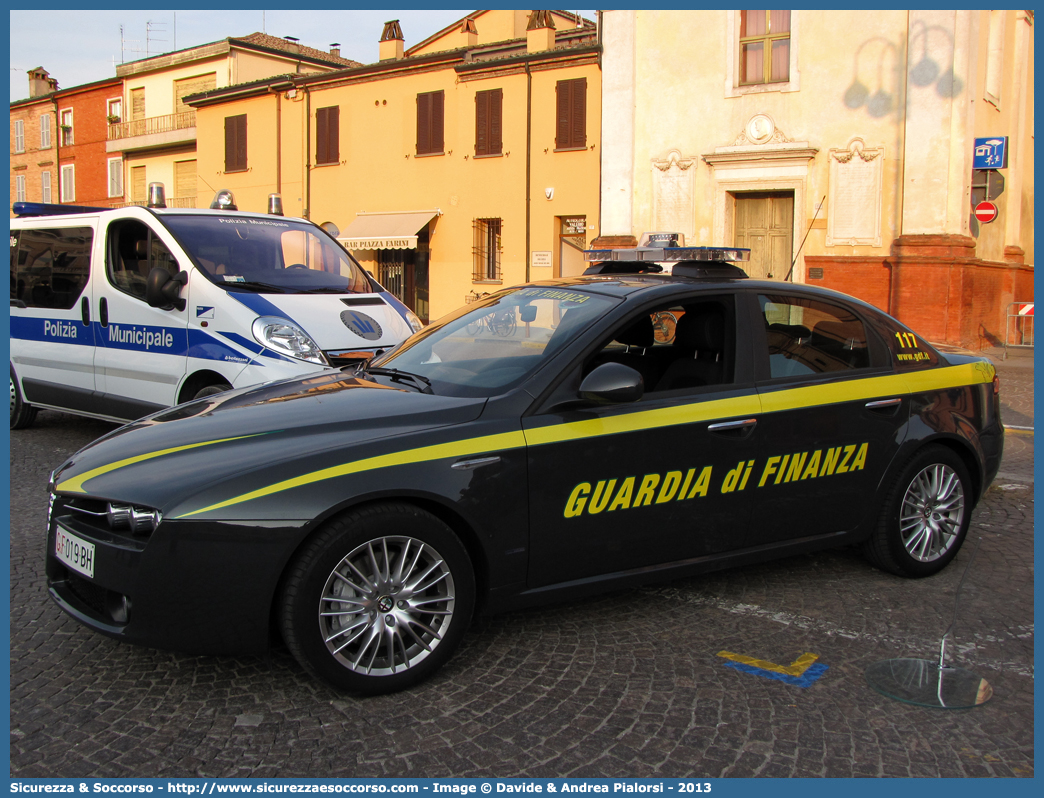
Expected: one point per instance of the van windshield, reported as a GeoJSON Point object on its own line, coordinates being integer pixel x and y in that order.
{"type": "Point", "coordinates": [267, 255]}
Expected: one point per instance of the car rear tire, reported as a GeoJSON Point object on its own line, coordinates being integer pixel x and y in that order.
{"type": "Point", "coordinates": [378, 600]}
{"type": "Point", "coordinates": [210, 390]}
{"type": "Point", "coordinates": [925, 516]}
{"type": "Point", "coordinates": [22, 415]}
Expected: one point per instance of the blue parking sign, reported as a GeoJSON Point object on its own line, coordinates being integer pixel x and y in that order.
{"type": "Point", "coordinates": [991, 153]}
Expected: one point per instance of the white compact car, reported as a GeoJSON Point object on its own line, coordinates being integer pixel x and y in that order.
{"type": "Point", "coordinates": [119, 313]}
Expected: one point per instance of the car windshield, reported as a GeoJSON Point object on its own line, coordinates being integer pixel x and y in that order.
{"type": "Point", "coordinates": [491, 346]}
{"type": "Point", "coordinates": [267, 255]}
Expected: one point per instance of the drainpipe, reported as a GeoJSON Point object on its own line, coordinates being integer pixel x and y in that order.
{"type": "Point", "coordinates": [529, 156]}
{"type": "Point", "coordinates": [308, 154]}
{"type": "Point", "coordinates": [57, 149]}
{"type": "Point", "coordinates": [278, 137]}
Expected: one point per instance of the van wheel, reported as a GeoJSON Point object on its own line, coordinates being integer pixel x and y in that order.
{"type": "Point", "coordinates": [22, 414]}
{"type": "Point", "coordinates": [378, 599]}
{"type": "Point", "coordinates": [210, 390]}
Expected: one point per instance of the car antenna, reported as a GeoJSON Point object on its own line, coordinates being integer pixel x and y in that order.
{"type": "Point", "coordinates": [819, 207]}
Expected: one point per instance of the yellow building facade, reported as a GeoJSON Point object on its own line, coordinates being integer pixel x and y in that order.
{"type": "Point", "coordinates": [466, 163]}
{"type": "Point", "coordinates": [153, 130]}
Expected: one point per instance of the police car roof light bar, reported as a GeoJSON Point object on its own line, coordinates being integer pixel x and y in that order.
{"type": "Point", "coordinates": [25, 209]}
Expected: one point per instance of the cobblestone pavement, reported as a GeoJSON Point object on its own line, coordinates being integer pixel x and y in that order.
{"type": "Point", "coordinates": [627, 684]}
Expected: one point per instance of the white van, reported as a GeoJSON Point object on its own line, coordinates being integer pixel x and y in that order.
{"type": "Point", "coordinates": [118, 313]}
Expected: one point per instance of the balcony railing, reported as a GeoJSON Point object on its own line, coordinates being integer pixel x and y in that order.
{"type": "Point", "coordinates": [172, 202]}
{"type": "Point", "coordinates": [151, 125]}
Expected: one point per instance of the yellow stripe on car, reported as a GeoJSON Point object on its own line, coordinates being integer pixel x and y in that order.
{"type": "Point", "coordinates": [710, 410]}
{"type": "Point", "coordinates": [75, 484]}
{"type": "Point", "coordinates": [507, 440]}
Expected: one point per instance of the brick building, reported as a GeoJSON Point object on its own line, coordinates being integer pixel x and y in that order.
{"type": "Point", "coordinates": [58, 143]}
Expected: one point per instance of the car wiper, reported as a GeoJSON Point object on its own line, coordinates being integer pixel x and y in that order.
{"type": "Point", "coordinates": [253, 285]}
{"type": "Point", "coordinates": [326, 289]}
{"type": "Point", "coordinates": [423, 384]}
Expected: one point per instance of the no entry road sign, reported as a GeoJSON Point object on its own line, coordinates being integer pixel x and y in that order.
{"type": "Point", "coordinates": [985, 212]}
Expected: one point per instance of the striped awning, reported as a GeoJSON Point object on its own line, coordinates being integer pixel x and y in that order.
{"type": "Point", "coordinates": [385, 230]}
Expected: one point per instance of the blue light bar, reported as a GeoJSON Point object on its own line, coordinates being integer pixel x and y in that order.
{"type": "Point", "coordinates": [22, 209]}
{"type": "Point", "coordinates": [670, 254]}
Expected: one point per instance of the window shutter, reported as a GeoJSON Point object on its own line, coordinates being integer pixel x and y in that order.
{"type": "Point", "coordinates": [496, 108]}
{"type": "Point", "coordinates": [327, 134]}
{"type": "Point", "coordinates": [137, 103]}
{"type": "Point", "coordinates": [186, 86]}
{"type": "Point", "coordinates": [45, 186]}
{"type": "Point", "coordinates": [437, 121]}
{"type": "Point", "coordinates": [562, 115]}
{"type": "Point", "coordinates": [235, 143]}
{"type": "Point", "coordinates": [115, 177]}
{"type": "Point", "coordinates": [578, 134]}
{"type": "Point", "coordinates": [45, 132]}
{"type": "Point", "coordinates": [137, 183]}
{"type": "Point", "coordinates": [482, 123]}
{"type": "Point", "coordinates": [423, 123]}
{"type": "Point", "coordinates": [184, 179]}
{"type": "Point", "coordinates": [19, 137]}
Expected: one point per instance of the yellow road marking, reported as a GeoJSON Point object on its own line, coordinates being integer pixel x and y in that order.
{"type": "Point", "coordinates": [795, 668]}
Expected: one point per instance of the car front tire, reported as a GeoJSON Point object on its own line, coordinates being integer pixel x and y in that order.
{"type": "Point", "coordinates": [22, 414]}
{"type": "Point", "coordinates": [211, 390]}
{"type": "Point", "coordinates": [378, 600]}
{"type": "Point", "coordinates": [925, 516]}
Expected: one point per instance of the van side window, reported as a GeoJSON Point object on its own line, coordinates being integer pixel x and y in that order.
{"type": "Point", "coordinates": [51, 267]}
{"type": "Point", "coordinates": [134, 251]}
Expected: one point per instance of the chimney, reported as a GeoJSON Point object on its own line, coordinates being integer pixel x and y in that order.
{"type": "Point", "coordinates": [292, 44]}
{"type": "Point", "coordinates": [540, 34]}
{"type": "Point", "coordinates": [41, 83]}
{"type": "Point", "coordinates": [335, 49]}
{"type": "Point", "coordinates": [470, 31]}
{"type": "Point", "coordinates": [391, 41]}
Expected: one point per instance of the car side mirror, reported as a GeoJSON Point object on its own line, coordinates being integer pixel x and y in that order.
{"type": "Point", "coordinates": [612, 383]}
{"type": "Point", "coordinates": [163, 291]}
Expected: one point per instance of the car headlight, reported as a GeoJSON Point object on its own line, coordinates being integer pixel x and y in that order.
{"type": "Point", "coordinates": [414, 321]}
{"type": "Point", "coordinates": [137, 519]}
{"type": "Point", "coordinates": [286, 338]}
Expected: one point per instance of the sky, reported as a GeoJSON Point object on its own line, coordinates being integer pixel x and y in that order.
{"type": "Point", "coordinates": [82, 46]}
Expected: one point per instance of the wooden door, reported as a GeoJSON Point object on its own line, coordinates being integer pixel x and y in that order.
{"type": "Point", "coordinates": [765, 225]}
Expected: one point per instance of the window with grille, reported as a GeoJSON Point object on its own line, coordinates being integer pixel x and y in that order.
{"type": "Point", "coordinates": [489, 107]}
{"type": "Point", "coordinates": [45, 132]}
{"type": "Point", "coordinates": [67, 128]}
{"type": "Point", "coordinates": [571, 114]}
{"type": "Point", "coordinates": [327, 135]}
{"type": "Point", "coordinates": [236, 143]}
{"type": "Point", "coordinates": [430, 113]}
{"type": "Point", "coordinates": [19, 136]}
{"type": "Point", "coordinates": [764, 47]}
{"type": "Point", "coordinates": [487, 249]}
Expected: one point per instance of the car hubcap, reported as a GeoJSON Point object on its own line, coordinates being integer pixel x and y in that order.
{"type": "Point", "coordinates": [932, 513]}
{"type": "Point", "coordinates": [386, 606]}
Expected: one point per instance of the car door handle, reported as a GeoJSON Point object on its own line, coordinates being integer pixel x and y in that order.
{"type": "Point", "coordinates": [103, 312]}
{"type": "Point", "coordinates": [85, 312]}
{"type": "Point", "coordinates": [739, 429]}
{"type": "Point", "coordinates": [884, 404]}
